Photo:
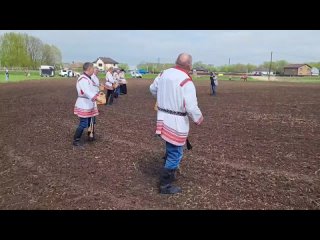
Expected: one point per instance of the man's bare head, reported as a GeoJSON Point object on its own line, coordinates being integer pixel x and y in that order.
{"type": "Point", "coordinates": [184, 61]}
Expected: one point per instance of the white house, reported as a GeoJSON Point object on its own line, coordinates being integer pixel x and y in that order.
{"type": "Point", "coordinates": [104, 63]}
{"type": "Point", "coordinates": [314, 71]}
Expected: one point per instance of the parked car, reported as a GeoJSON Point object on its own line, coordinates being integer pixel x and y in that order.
{"type": "Point", "coordinates": [135, 74]}
{"type": "Point", "coordinates": [257, 74]}
{"type": "Point", "coordinates": [142, 71]}
{"type": "Point", "coordinates": [67, 73]}
{"type": "Point", "coordinates": [76, 74]}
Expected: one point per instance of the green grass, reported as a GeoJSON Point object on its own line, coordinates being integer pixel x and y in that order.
{"type": "Point", "coordinates": [34, 75]}
{"type": "Point", "coordinates": [149, 76]}
{"type": "Point", "coordinates": [225, 78]}
{"type": "Point", "coordinates": [252, 79]}
{"type": "Point", "coordinates": [20, 76]}
{"type": "Point", "coordinates": [128, 75]}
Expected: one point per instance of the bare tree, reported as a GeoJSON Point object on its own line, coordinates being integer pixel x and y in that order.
{"type": "Point", "coordinates": [34, 48]}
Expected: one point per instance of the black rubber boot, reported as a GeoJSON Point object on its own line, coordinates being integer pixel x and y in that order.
{"type": "Point", "coordinates": [174, 178]}
{"type": "Point", "coordinates": [124, 89]}
{"type": "Point", "coordinates": [110, 102]}
{"type": "Point", "coordinates": [109, 97]}
{"type": "Point", "coordinates": [166, 179]}
{"type": "Point", "coordinates": [77, 137]}
{"type": "Point", "coordinates": [174, 170]}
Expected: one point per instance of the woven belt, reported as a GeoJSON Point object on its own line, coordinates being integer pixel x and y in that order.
{"type": "Point", "coordinates": [172, 112]}
{"type": "Point", "coordinates": [83, 97]}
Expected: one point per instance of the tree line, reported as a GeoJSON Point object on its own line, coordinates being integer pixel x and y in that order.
{"type": "Point", "coordinates": [276, 67]}
{"type": "Point", "coordinates": [22, 50]}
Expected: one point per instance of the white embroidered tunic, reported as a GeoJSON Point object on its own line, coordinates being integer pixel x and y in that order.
{"type": "Point", "coordinates": [86, 105]}
{"type": "Point", "coordinates": [175, 91]}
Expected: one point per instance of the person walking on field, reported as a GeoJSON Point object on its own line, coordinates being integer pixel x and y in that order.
{"type": "Point", "coordinates": [86, 107]}
{"type": "Point", "coordinates": [7, 74]}
{"type": "Point", "coordinates": [214, 83]}
{"type": "Point", "coordinates": [176, 100]}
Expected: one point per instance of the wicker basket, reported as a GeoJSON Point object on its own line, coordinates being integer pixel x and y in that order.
{"type": "Point", "coordinates": [101, 98]}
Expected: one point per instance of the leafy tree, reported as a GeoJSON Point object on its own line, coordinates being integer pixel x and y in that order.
{"type": "Point", "coordinates": [199, 64]}
{"type": "Point", "coordinates": [124, 66]}
{"type": "Point", "coordinates": [314, 64]}
{"type": "Point", "coordinates": [155, 67]}
{"type": "Point", "coordinates": [51, 55]}
{"type": "Point", "coordinates": [47, 58]}
{"type": "Point", "coordinates": [279, 65]}
{"type": "Point", "coordinates": [21, 50]}
{"type": "Point", "coordinates": [34, 48]}
{"type": "Point", "coordinates": [13, 50]}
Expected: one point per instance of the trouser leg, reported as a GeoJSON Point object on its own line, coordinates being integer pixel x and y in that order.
{"type": "Point", "coordinates": [82, 125]}
{"type": "Point", "coordinates": [173, 157]}
{"type": "Point", "coordinates": [109, 97]}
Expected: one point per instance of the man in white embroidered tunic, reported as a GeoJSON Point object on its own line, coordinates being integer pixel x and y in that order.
{"type": "Point", "coordinates": [86, 107]}
{"type": "Point", "coordinates": [176, 99]}
{"type": "Point", "coordinates": [109, 82]}
{"type": "Point", "coordinates": [95, 78]}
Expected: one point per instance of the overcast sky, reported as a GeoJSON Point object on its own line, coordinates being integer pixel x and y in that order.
{"type": "Point", "coordinates": [209, 46]}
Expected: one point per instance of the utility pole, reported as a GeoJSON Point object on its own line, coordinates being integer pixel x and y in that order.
{"type": "Point", "coordinates": [158, 65]}
{"type": "Point", "coordinates": [229, 70]}
{"type": "Point", "coordinates": [270, 67]}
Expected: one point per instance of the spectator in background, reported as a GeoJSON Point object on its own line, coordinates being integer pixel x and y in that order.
{"type": "Point", "coordinates": [7, 74]}
{"type": "Point", "coordinates": [27, 73]}
{"type": "Point", "coordinates": [214, 83]}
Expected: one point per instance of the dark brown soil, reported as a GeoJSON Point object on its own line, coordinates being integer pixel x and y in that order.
{"type": "Point", "coordinates": [258, 148]}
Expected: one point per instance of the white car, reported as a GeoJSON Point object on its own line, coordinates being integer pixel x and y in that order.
{"type": "Point", "coordinates": [136, 74]}
{"type": "Point", "coordinates": [66, 73]}
{"type": "Point", "coordinates": [76, 74]}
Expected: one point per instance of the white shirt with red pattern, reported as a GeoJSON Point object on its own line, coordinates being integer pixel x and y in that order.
{"type": "Point", "coordinates": [95, 79]}
{"type": "Point", "coordinates": [175, 91]}
{"type": "Point", "coordinates": [109, 80]}
{"type": "Point", "coordinates": [122, 79]}
{"type": "Point", "coordinates": [86, 105]}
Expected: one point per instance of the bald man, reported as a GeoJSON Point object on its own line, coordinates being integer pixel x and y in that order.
{"type": "Point", "coordinates": [176, 98]}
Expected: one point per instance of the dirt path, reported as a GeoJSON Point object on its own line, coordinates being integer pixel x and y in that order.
{"type": "Point", "coordinates": [258, 148]}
